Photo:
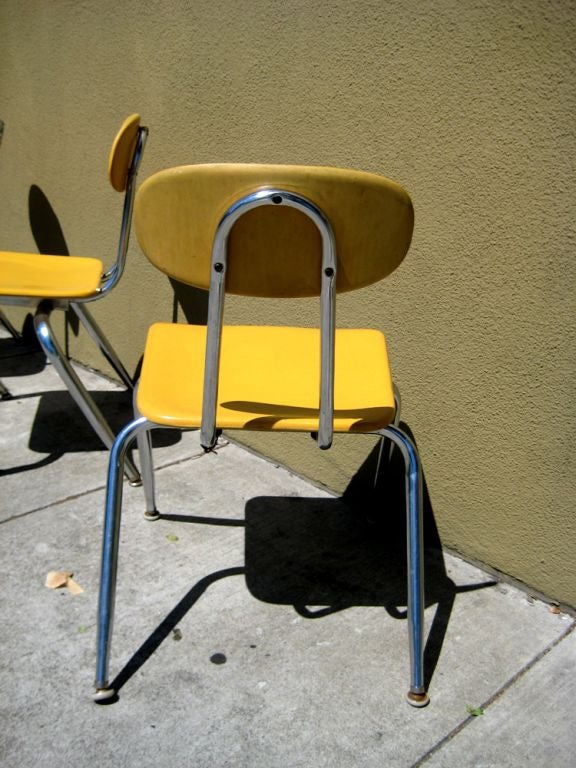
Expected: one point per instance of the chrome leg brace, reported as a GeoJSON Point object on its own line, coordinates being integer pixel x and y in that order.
{"type": "Point", "coordinates": [78, 391]}
{"type": "Point", "coordinates": [98, 337]}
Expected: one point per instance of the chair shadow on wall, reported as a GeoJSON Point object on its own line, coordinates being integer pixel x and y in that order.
{"type": "Point", "coordinates": [190, 301]}
{"type": "Point", "coordinates": [323, 555]}
{"type": "Point", "coordinates": [23, 356]}
{"type": "Point", "coordinates": [49, 238]}
{"type": "Point", "coordinates": [59, 427]}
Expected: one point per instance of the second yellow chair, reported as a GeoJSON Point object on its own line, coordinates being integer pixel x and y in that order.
{"type": "Point", "coordinates": [48, 282]}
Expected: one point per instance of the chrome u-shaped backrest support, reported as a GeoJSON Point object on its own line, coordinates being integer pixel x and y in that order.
{"type": "Point", "coordinates": [208, 433]}
{"type": "Point", "coordinates": [111, 277]}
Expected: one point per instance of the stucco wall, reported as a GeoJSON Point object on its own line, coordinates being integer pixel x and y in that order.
{"type": "Point", "coordinates": [469, 104]}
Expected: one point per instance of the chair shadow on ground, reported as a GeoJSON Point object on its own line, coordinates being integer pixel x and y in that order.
{"type": "Point", "coordinates": [322, 555]}
{"type": "Point", "coordinates": [59, 427]}
{"type": "Point", "coordinates": [22, 356]}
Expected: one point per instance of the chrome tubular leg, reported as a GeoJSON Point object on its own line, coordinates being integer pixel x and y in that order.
{"type": "Point", "coordinates": [417, 695]}
{"type": "Point", "coordinates": [147, 471]}
{"type": "Point", "coordinates": [146, 468]}
{"type": "Point", "coordinates": [109, 564]}
{"type": "Point", "coordinates": [98, 337]}
{"type": "Point", "coordinates": [78, 391]}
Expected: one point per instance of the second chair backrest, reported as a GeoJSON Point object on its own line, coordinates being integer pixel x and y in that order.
{"type": "Point", "coordinates": [123, 163]}
{"type": "Point", "coordinates": [122, 153]}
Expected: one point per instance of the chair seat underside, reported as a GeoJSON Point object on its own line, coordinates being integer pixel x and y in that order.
{"type": "Point", "coordinates": [269, 378]}
{"type": "Point", "coordinates": [49, 277]}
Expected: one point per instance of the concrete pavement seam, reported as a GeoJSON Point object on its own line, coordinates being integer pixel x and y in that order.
{"type": "Point", "coordinates": [495, 696]}
{"type": "Point", "coordinates": [57, 502]}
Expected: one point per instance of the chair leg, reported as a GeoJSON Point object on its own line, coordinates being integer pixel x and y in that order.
{"type": "Point", "coordinates": [417, 695]}
{"type": "Point", "coordinates": [398, 404]}
{"type": "Point", "coordinates": [384, 442]}
{"type": "Point", "coordinates": [144, 440]}
{"type": "Point", "coordinates": [8, 325]}
{"type": "Point", "coordinates": [4, 392]}
{"type": "Point", "coordinates": [110, 540]}
{"type": "Point", "coordinates": [78, 391]}
{"type": "Point", "coordinates": [98, 337]}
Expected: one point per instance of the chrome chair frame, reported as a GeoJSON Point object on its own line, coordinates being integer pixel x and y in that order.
{"type": "Point", "coordinates": [140, 429]}
{"type": "Point", "coordinates": [262, 197]}
{"type": "Point", "coordinates": [47, 338]}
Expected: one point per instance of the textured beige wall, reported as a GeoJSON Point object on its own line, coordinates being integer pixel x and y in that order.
{"type": "Point", "coordinates": [469, 104]}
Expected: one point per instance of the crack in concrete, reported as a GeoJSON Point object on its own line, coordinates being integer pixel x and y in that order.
{"type": "Point", "coordinates": [495, 696]}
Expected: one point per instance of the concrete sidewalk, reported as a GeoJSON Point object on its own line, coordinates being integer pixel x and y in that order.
{"type": "Point", "coordinates": [258, 623]}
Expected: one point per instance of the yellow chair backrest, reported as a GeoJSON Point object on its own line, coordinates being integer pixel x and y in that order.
{"type": "Point", "coordinates": [122, 152]}
{"type": "Point", "coordinates": [273, 251]}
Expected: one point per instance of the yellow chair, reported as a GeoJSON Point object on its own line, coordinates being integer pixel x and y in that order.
{"type": "Point", "coordinates": [69, 282]}
{"type": "Point", "coordinates": [270, 231]}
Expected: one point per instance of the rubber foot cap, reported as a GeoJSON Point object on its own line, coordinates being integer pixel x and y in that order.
{"type": "Point", "coordinates": [417, 699]}
{"type": "Point", "coordinates": [104, 694]}
{"type": "Point", "coordinates": [154, 515]}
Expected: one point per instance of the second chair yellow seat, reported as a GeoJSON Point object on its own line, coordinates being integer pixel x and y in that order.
{"type": "Point", "coordinates": [49, 277]}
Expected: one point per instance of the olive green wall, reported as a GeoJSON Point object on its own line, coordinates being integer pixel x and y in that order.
{"type": "Point", "coordinates": [470, 104]}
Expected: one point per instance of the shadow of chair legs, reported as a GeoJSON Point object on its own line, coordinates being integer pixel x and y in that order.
{"type": "Point", "coordinates": [324, 555]}
{"type": "Point", "coordinates": [59, 428]}
{"type": "Point", "coordinates": [163, 630]}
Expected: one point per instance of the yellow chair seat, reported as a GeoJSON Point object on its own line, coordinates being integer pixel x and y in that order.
{"type": "Point", "coordinates": [269, 378]}
{"type": "Point", "coordinates": [49, 277]}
